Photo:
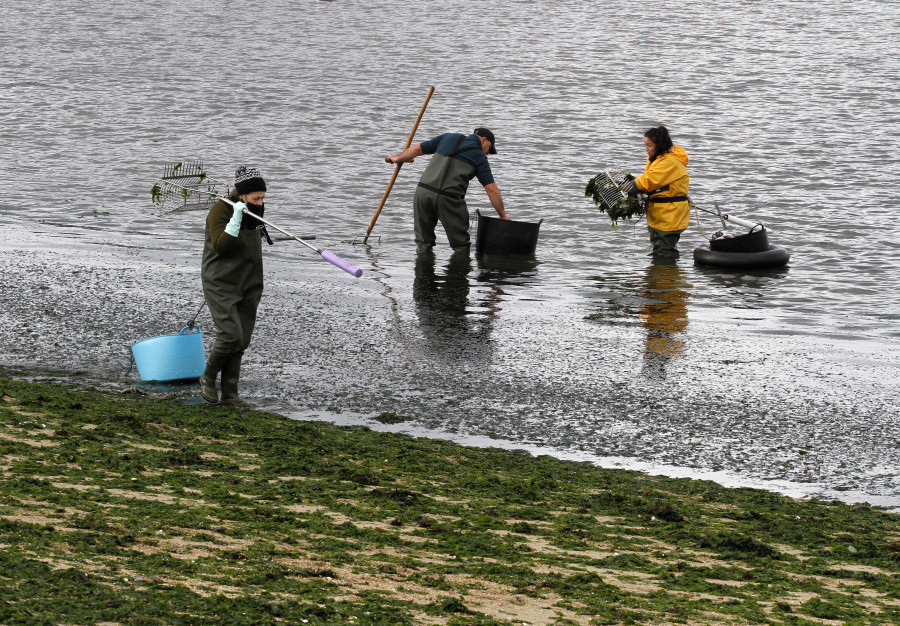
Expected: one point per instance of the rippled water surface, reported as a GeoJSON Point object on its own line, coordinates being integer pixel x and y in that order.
{"type": "Point", "coordinates": [785, 379]}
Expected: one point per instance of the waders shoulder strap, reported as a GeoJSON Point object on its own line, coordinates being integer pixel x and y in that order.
{"type": "Point", "coordinates": [456, 149]}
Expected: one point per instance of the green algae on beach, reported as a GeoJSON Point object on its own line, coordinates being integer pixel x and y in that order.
{"type": "Point", "coordinates": [121, 507]}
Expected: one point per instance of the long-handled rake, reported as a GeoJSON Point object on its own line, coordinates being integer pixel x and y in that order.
{"type": "Point", "coordinates": [168, 188]}
{"type": "Point", "coordinates": [396, 168]}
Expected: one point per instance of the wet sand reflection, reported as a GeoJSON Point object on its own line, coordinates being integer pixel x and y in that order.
{"type": "Point", "coordinates": [664, 316]}
{"type": "Point", "coordinates": [497, 271]}
{"type": "Point", "coordinates": [442, 306]}
{"type": "Point", "coordinates": [456, 314]}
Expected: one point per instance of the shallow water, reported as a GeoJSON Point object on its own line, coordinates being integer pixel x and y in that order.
{"type": "Point", "coordinates": [785, 379]}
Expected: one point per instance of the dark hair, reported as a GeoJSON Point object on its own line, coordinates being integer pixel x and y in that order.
{"type": "Point", "coordinates": [660, 137]}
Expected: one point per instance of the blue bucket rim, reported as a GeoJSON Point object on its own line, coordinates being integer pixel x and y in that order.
{"type": "Point", "coordinates": [193, 332]}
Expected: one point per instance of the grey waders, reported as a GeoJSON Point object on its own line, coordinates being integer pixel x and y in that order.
{"type": "Point", "coordinates": [231, 375]}
{"type": "Point", "coordinates": [230, 366]}
{"type": "Point", "coordinates": [441, 196]}
{"type": "Point", "coordinates": [233, 286]}
{"type": "Point", "coordinates": [214, 365]}
{"type": "Point", "coordinates": [664, 243]}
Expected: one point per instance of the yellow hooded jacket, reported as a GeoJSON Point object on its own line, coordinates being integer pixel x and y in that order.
{"type": "Point", "coordinates": [668, 169]}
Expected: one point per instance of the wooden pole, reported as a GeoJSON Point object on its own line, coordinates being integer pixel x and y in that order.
{"type": "Point", "coordinates": [397, 167]}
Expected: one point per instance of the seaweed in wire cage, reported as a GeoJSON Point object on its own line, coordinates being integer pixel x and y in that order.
{"type": "Point", "coordinates": [605, 189]}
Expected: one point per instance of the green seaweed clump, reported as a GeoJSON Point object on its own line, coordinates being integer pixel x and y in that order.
{"type": "Point", "coordinates": [606, 195]}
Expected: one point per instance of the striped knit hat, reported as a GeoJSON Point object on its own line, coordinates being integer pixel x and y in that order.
{"type": "Point", "coordinates": [248, 180]}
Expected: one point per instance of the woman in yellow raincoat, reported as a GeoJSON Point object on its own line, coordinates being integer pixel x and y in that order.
{"type": "Point", "coordinates": [665, 180]}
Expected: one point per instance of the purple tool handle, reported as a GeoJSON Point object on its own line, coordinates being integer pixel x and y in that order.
{"type": "Point", "coordinates": [337, 261]}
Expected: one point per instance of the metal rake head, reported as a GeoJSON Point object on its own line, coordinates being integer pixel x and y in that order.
{"type": "Point", "coordinates": [610, 191]}
{"type": "Point", "coordinates": [185, 186]}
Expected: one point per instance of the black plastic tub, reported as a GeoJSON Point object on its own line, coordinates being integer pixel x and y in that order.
{"type": "Point", "coordinates": [496, 236]}
{"type": "Point", "coordinates": [754, 241]}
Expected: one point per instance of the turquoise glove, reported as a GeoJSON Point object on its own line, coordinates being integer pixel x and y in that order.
{"type": "Point", "coordinates": [234, 226]}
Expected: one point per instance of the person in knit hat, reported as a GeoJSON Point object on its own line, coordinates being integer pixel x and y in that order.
{"type": "Point", "coordinates": [232, 276]}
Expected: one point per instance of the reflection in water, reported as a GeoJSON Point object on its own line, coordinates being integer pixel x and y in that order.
{"type": "Point", "coordinates": [442, 308]}
{"type": "Point", "coordinates": [379, 274]}
{"type": "Point", "coordinates": [517, 268]}
{"type": "Point", "coordinates": [497, 271]}
{"type": "Point", "coordinates": [664, 316]}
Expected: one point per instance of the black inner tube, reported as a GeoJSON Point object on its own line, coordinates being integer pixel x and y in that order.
{"type": "Point", "coordinates": [772, 257]}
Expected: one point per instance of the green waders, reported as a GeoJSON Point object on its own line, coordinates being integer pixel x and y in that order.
{"type": "Point", "coordinates": [664, 242]}
{"type": "Point", "coordinates": [233, 286]}
{"type": "Point", "coordinates": [441, 196]}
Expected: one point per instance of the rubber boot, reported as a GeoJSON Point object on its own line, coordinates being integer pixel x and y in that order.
{"type": "Point", "coordinates": [214, 365]}
{"type": "Point", "coordinates": [231, 375]}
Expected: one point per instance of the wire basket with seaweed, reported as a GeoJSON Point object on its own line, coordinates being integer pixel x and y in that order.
{"type": "Point", "coordinates": [605, 189]}
{"type": "Point", "coordinates": [185, 186]}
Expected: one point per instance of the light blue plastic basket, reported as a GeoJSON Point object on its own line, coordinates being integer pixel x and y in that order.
{"type": "Point", "coordinates": [171, 357]}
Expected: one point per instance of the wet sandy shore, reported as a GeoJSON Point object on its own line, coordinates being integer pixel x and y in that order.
{"type": "Point", "coordinates": [486, 353]}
